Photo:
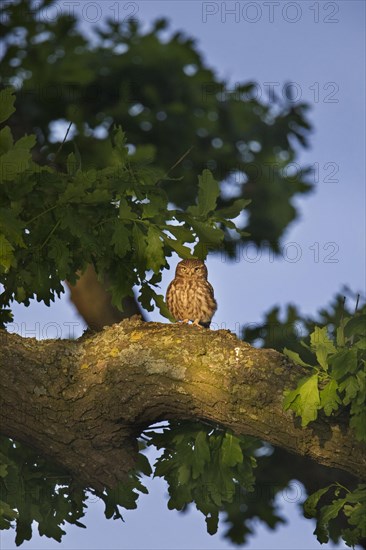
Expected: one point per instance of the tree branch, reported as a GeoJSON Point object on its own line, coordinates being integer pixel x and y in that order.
{"type": "Point", "coordinates": [83, 403]}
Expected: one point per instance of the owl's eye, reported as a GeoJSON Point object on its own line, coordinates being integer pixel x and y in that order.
{"type": "Point", "coordinates": [197, 268]}
{"type": "Point", "coordinates": [184, 268]}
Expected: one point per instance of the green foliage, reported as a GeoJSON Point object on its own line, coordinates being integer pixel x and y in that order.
{"type": "Point", "coordinates": [346, 504]}
{"type": "Point", "coordinates": [204, 465]}
{"type": "Point", "coordinates": [337, 375]}
{"type": "Point", "coordinates": [304, 400]}
{"type": "Point", "coordinates": [286, 329]}
{"type": "Point", "coordinates": [224, 476]}
{"type": "Point", "coordinates": [31, 489]}
{"type": "Point", "coordinates": [334, 356]}
{"type": "Point", "coordinates": [344, 336]}
{"type": "Point", "coordinates": [118, 79]}
{"type": "Point", "coordinates": [272, 476]}
{"type": "Point", "coordinates": [117, 218]}
{"type": "Point", "coordinates": [336, 382]}
{"type": "Point", "coordinates": [35, 490]}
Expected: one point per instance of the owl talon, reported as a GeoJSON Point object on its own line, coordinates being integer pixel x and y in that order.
{"type": "Point", "coordinates": [197, 324]}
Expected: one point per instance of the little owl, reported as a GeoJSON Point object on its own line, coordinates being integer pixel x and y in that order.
{"type": "Point", "coordinates": [190, 297]}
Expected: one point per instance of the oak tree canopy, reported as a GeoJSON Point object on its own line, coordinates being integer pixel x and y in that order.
{"type": "Point", "coordinates": [161, 161]}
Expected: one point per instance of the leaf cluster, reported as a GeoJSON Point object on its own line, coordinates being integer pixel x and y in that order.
{"type": "Point", "coordinates": [285, 327]}
{"type": "Point", "coordinates": [204, 465]}
{"type": "Point", "coordinates": [346, 505]}
{"type": "Point", "coordinates": [338, 375]}
{"type": "Point", "coordinates": [34, 490]}
{"type": "Point", "coordinates": [334, 355]}
{"type": "Point", "coordinates": [336, 384]}
{"type": "Point", "coordinates": [117, 77]}
{"type": "Point", "coordinates": [118, 218]}
{"type": "Point", "coordinates": [288, 328]}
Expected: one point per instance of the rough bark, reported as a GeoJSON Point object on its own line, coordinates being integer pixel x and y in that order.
{"type": "Point", "coordinates": [83, 403]}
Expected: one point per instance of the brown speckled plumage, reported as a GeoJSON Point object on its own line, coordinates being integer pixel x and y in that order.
{"type": "Point", "coordinates": [190, 297]}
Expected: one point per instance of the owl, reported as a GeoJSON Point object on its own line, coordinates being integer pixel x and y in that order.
{"type": "Point", "coordinates": [190, 297]}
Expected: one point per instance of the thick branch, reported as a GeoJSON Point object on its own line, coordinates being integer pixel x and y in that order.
{"type": "Point", "coordinates": [82, 403]}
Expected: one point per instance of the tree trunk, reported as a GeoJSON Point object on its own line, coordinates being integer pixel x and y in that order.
{"type": "Point", "coordinates": [83, 403]}
{"type": "Point", "coordinates": [94, 302]}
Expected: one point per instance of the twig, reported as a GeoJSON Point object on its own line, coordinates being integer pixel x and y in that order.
{"type": "Point", "coordinates": [176, 164]}
{"type": "Point", "coordinates": [356, 307]}
{"type": "Point", "coordinates": [43, 212]}
{"type": "Point", "coordinates": [51, 233]}
{"type": "Point", "coordinates": [63, 141]}
{"type": "Point", "coordinates": [343, 304]}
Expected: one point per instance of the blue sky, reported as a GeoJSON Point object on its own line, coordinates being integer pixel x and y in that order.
{"type": "Point", "coordinates": [319, 46]}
